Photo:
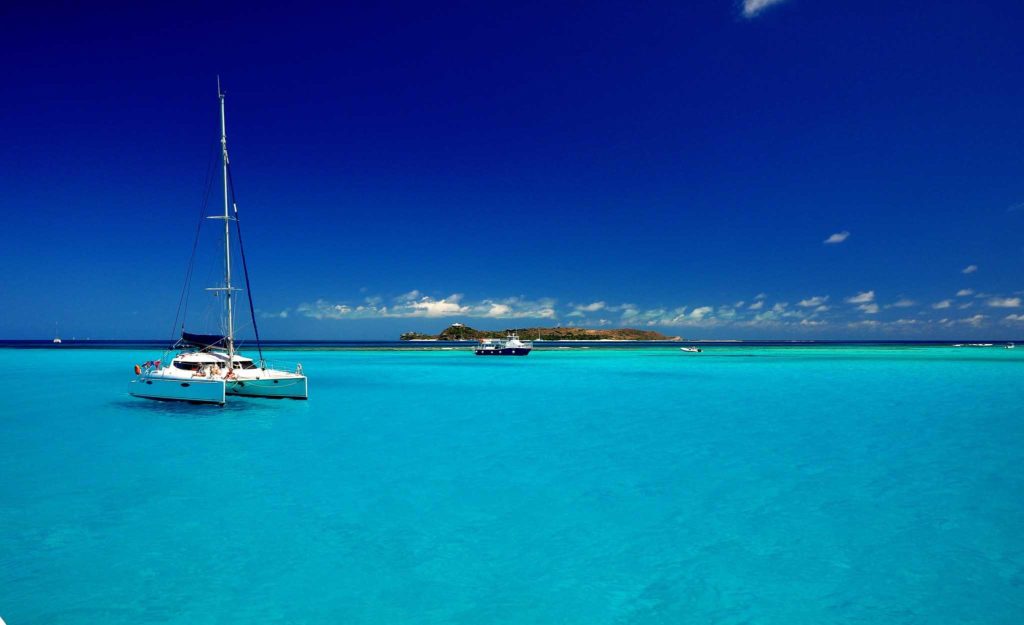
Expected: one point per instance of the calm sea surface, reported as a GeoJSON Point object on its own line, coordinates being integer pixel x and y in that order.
{"type": "Point", "coordinates": [783, 485]}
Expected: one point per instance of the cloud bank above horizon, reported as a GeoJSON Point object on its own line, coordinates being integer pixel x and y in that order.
{"type": "Point", "coordinates": [864, 310]}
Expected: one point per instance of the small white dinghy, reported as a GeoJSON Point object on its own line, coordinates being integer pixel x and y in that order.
{"type": "Point", "coordinates": [206, 367]}
{"type": "Point", "coordinates": [691, 348]}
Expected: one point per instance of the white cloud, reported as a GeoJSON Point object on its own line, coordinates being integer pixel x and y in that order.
{"type": "Point", "coordinates": [1014, 318]}
{"type": "Point", "coordinates": [965, 292]}
{"type": "Point", "coordinates": [414, 304]}
{"type": "Point", "coordinates": [751, 8]}
{"type": "Point", "coordinates": [864, 297]}
{"type": "Point", "coordinates": [429, 307]}
{"type": "Point", "coordinates": [903, 302]}
{"type": "Point", "coordinates": [838, 237]}
{"type": "Point", "coordinates": [812, 322]}
{"type": "Point", "coordinates": [870, 309]}
{"type": "Point", "coordinates": [758, 305]}
{"type": "Point", "coordinates": [275, 315]}
{"type": "Point", "coordinates": [946, 303]}
{"type": "Point", "coordinates": [700, 313]}
{"type": "Point", "coordinates": [970, 269]}
{"type": "Point", "coordinates": [814, 301]}
{"type": "Point", "coordinates": [700, 316]}
{"type": "Point", "coordinates": [1004, 302]}
{"type": "Point", "coordinates": [594, 307]}
{"type": "Point", "coordinates": [975, 321]}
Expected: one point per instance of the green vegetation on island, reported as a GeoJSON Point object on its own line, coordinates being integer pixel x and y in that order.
{"type": "Point", "coordinates": [460, 332]}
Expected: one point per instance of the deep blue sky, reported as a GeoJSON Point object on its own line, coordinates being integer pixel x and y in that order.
{"type": "Point", "coordinates": [625, 164]}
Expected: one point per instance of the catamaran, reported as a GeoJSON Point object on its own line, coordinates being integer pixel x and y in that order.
{"type": "Point", "coordinates": [207, 368]}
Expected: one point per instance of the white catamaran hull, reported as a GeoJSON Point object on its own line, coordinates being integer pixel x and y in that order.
{"type": "Point", "coordinates": [199, 391]}
{"type": "Point", "coordinates": [291, 387]}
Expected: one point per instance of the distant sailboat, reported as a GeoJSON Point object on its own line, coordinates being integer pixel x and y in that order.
{"type": "Point", "coordinates": [56, 334]}
{"type": "Point", "coordinates": [207, 368]}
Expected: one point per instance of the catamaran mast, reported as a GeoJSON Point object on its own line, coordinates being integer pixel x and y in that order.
{"type": "Point", "coordinates": [227, 231]}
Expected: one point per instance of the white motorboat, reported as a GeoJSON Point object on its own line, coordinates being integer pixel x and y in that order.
{"type": "Point", "coordinates": [56, 334]}
{"type": "Point", "coordinates": [691, 348]}
{"type": "Point", "coordinates": [1009, 346]}
{"type": "Point", "coordinates": [207, 368]}
{"type": "Point", "coordinates": [509, 346]}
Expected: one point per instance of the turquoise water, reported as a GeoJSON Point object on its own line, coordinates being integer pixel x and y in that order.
{"type": "Point", "coordinates": [781, 485]}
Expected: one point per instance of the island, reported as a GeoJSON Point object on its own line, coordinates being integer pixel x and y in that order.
{"type": "Point", "coordinates": [462, 332]}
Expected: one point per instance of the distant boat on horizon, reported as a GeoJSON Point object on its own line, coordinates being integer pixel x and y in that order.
{"type": "Point", "coordinates": [207, 367]}
{"type": "Point", "coordinates": [56, 333]}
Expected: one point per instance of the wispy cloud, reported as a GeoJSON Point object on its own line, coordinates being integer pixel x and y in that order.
{"type": "Point", "coordinates": [594, 307]}
{"type": "Point", "coordinates": [1004, 302]}
{"type": "Point", "coordinates": [813, 302]}
{"type": "Point", "coordinates": [965, 292]}
{"type": "Point", "coordinates": [969, 269]}
{"type": "Point", "coordinates": [864, 297]}
{"type": "Point", "coordinates": [751, 8]}
{"type": "Point", "coordinates": [838, 237]}
{"type": "Point", "coordinates": [976, 320]}
{"type": "Point", "coordinates": [281, 314]}
{"type": "Point", "coordinates": [871, 308]}
{"type": "Point", "coordinates": [903, 302]}
{"type": "Point", "coordinates": [1014, 318]}
{"type": "Point", "coordinates": [946, 303]}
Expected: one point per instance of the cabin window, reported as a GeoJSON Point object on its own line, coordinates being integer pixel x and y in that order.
{"type": "Point", "coordinates": [187, 366]}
